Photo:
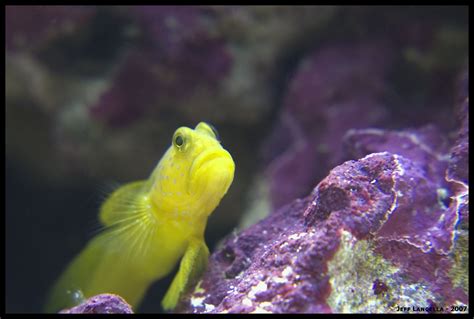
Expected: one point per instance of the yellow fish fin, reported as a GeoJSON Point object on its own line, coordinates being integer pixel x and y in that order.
{"type": "Point", "coordinates": [122, 203]}
{"type": "Point", "coordinates": [193, 264]}
{"type": "Point", "coordinates": [110, 263]}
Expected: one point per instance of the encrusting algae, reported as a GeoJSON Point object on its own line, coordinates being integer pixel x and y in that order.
{"type": "Point", "coordinates": [151, 224]}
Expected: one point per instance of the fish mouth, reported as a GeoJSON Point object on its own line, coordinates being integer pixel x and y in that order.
{"type": "Point", "coordinates": [216, 165]}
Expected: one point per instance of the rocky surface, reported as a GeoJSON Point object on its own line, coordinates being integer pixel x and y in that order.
{"type": "Point", "coordinates": [104, 303]}
{"type": "Point", "coordinates": [373, 235]}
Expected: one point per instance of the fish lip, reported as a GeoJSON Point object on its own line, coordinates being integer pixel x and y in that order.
{"type": "Point", "coordinates": [203, 158]}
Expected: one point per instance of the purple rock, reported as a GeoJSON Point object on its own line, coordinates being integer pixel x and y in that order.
{"type": "Point", "coordinates": [458, 176]}
{"type": "Point", "coordinates": [333, 90]}
{"type": "Point", "coordinates": [103, 303]}
{"type": "Point", "coordinates": [182, 43]}
{"type": "Point", "coordinates": [459, 162]}
{"type": "Point", "coordinates": [426, 146]}
{"type": "Point", "coordinates": [180, 58]}
{"type": "Point", "coordinates": [133, 90]}
{"type": "Point", "coordinates": [333, 75]}
{"type": "Point", "coordinates": [387, 229]}
{"type": "Point", "coordinates": [372, 225]}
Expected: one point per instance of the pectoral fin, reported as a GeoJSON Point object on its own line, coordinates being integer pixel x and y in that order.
{"type": "Point", "coordinates": [192, 265]}
{"type": "Point", "coordinates": [121, 204]}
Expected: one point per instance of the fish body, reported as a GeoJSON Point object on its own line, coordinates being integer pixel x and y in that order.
{"type": "Point", "coordinates": [151, 225]}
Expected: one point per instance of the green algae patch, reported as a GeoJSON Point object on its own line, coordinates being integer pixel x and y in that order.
{"type": "Point", "coordinates": [364, 282]}
{"type": "Point", "coordinates": [459, 272]}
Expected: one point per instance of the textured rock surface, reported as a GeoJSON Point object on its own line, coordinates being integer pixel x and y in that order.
{"type": "Point", "coordinates": [104, 303]}
{"type": "Point", "coordinates": [376, 222]}
{"type": "Point", "coordinates": [457, 175]}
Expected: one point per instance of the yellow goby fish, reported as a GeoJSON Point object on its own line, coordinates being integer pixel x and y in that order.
{"type": "Point", "coordinates": [151, 224]}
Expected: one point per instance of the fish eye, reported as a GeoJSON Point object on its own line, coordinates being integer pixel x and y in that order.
{"type": "Point", "coordinates": [178, 141]}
